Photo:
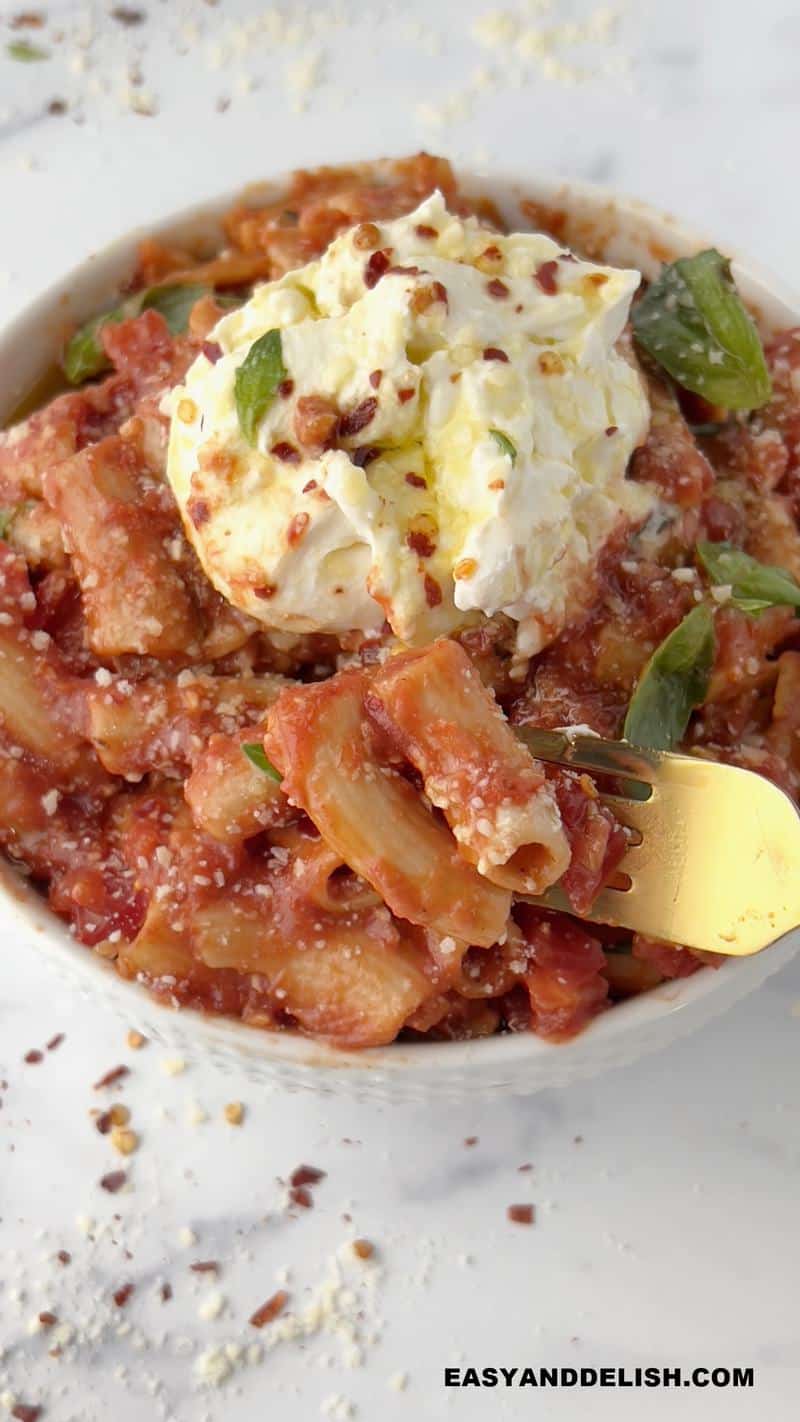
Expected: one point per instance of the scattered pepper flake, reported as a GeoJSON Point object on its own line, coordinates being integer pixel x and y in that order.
{"type": "Point", "coordinates": [545, 277]}
{"type": "Point", "coordinates": [494, 353]}
{"type": "Point", "coordinates": [205, 1266]}
{"type": "Point", "coordinates": [363, 1248]}
{"type": "Point", "coordinates": [121, 1295]}
{"type": "Point", "coordinates": [270, 1310]}
{"type": "Point", "coordinates": [497, 289]}
{"type": "Point", "coordinates": [354, 421]}
{"type": "Point", "coordinates": [470, 1140]}
{"type": "Point", "coordinates": [112, 1077]}
{"type": "Point", "coordinates": [299, 1195]}
{"type": "Point", "coordinates": [521, 1214]}
{"type": "Point", "coordinates": [165, 1293]}
{"type": "Point", "coordinates": [26, 1412]}
{"type": "Point", "coordinates": [113, 1181]}
{"type": "Point", "coordinates": [64, 1257]}
{"type": "Point", "coordinates": [55, 1042]}
{"type": "Point", "coordinates": [127, 16]}
{"type": "Point", "coordinates": [306, 1175]}
{"type": "Point", "coordinates": [33, 1057]}
{"type": "Point", "coordinates": [48, 1319]}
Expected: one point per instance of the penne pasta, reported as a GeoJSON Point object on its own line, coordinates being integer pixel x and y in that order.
{"type": "Point", "coordinates": [316, 737]}
{"type": "Point", "coordinates": [494, 795]}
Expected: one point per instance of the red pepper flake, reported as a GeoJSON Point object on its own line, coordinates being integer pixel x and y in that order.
{"type": "Point", "coordinates": [165, 1292]}
{"type": "Point", "coordinates": [47, 1319]}
{"type": "Point", "coordinates": [198, 511]}
{"type": "Point", "coordinates": [33, 1057]}
{"type": "Point", "coordinates": [55, 1042]}
{"type": "Point", "coordinates": [104, 1122]}
{"type": "Point", "coordinates": [363, 1248]}
{"type": "Point", "coordinates": [121, 1296]}
{"type": "Point", "coordinates": [545, 277]}
{"type": "Point", "coordinates": [376, 267]}
{"type": "Point", "coordinates": [114, 1181]}
{"type": "Point", "coordinates": [270, 1310]}
{"type": "Point", "coordinates": [497, 289]}
{"type": "Point", "coordinates": [403, 271]}
{"type": "Point", "coordinates": [423, 230]}
{"type": "Point", "coordinates": [24, 1412]}
{"type": "Point", "coordinates": [306, 1175]}
{"type": "Point", "coordinates": [416, 481]}
{"type": "Point", "coordinates": [494, 353]}
{"type": "Point", "coordinates": [265, 591]}
{"type": "Point", "coordinates": [405, 395]}
{"type": "Point", "coordinates": [376, 376]}
{"type": "Point", "coordinates": [285, 388]}
{"type": "Point", "coordinates": [356, 420]}
{"type": "Point", "coordinates": [470, 1140]}
{"type": "Point", "coordinates": [525, 1169]}
{"type": "Point", "coordinates": [296, 529]}
{"type": "Point", "coordinates": [521, 1214]}
{"type": "Point", "coordinates": [57, 107]}
{"type": "Point", "coordinates": [299, 1195]}
{"type": "Point", "coordinates": [433, 592]}
{"type": "Point", "coordinates": [612, 430]}
{"type": "Point", "coordinates": [492, 253]}
{"type": "Point", "coordinates": [286, 452]}
{"type": "Point", "coordinates": [577, 1140]}
{"type": "Point", "coordinates": [112, 1077]}
{"type": "Point", "coordinates": [125, 15]}
{"type": "Point", "coordinates": [205, 1266]}
{"type": "Point", "coordinates": [420, 543]}
{"type": "Point", "coordinates": [212, 351]}
{"type": "Point", "coordinates": [307, 488]}
{"type": "Point", "coordinates": [64, 1257]}
{"type": "Point", "coordinates": [27, 20]}
{"type": "Point", "coordinates": [364, 455]}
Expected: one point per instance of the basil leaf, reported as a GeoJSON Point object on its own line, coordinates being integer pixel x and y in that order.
{"type": "Point", "coordinates": [755, 586]}
{"type": "Point", "coordinates": [26, 52]}
{"type": "Point", "coordinates": [84, 356]}
{"type": "Point", "coordinates": [504, 444]}
{"type": "Point", "coordinates": [174, 303]}
{"type": "Point", "coordinates": [255, 754]}
{"type": "Point", "coordinates": [693, 324]}
{"type": "Point", "coordinates": [257, 381]}
{"type": "Point", "coordinates": [674, 681]}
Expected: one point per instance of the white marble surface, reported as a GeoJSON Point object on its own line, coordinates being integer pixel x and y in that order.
{"type": "Point", "coordinates": [669, 1233]}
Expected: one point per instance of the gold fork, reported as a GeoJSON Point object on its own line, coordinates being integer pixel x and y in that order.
{"type": "Point", "coordinates": [716, 862]}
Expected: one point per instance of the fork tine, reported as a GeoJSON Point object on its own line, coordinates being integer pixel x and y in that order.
{"type": "Point", "coordinates": [591, 753]}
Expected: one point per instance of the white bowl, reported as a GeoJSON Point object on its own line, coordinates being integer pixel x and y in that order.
{"type": "Point", "coordinates": [521, 1063]}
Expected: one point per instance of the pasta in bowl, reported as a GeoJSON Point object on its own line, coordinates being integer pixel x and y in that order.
{"type": "Point", "coordinates": [321, 518]}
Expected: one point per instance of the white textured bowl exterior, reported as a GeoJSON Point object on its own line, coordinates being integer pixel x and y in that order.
{"type": "Point", "coordinates": [515, 1064]}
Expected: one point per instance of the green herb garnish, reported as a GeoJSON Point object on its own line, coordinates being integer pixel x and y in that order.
{"type": "Point", "coordinates": [25, 52]}
{"type": "Point", "coordinates": [255, 754]}
{"type": "Point", "coordinates": [504, 444]}
{"type": "Point", "coordinates": [6, 520]}
{"type": "Point", "coordinates": [754, 586]}
{"type": "Point", "coordinates": [174, 303]}
{"type": "Point", "coordinates": [674, 681]}
{"type": "Point", "coordinates": [84, 356]}
{"type": "Point", "coordinates": [693, 323]}
{"type": "Point", "coordinates": [257, 381]}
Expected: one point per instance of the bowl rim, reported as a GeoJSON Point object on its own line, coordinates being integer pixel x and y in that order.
{"type": "Point", "coordinates": [40, 326]}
